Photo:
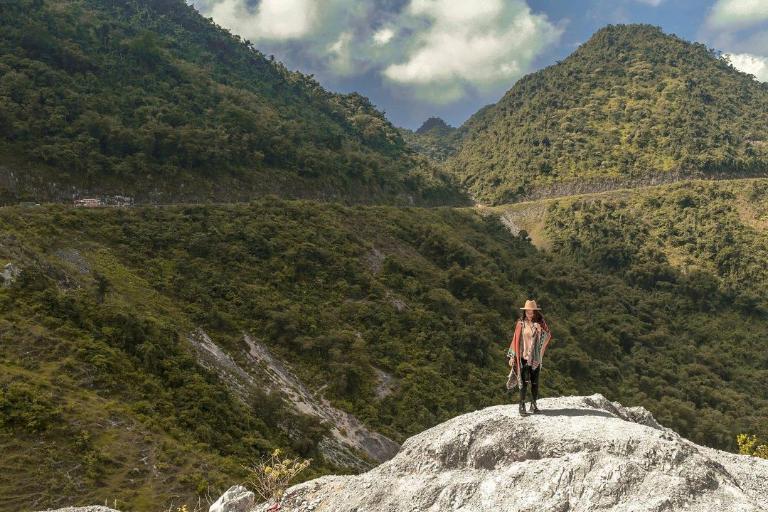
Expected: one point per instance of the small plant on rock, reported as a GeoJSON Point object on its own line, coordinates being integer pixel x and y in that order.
{"type": "Point", "coordinates": [270, 477]}
{"type": "Point", "coordinates": [751, 445]}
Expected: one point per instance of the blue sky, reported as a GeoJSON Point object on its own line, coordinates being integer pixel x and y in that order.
{"type": "Point", "coordinates": [420, 58]}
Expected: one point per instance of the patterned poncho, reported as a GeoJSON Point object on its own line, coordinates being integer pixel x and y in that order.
{"type": "Point", "coordinates": [541, 338]}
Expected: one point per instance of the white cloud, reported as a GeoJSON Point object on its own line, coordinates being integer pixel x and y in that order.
{"type": "Point", "coordinates": [436, 50]}
{"type": "Point", "coordinates": [737, 14]}
{"type": "Point", "coordinates": [733, 24]}
{"type": "Point", "coordinates": [752, 64]}
{"type": "Point", "coordinates": [383, 36]}
{"type": "Point", "coordinates": [271, 19]}
{"type": "Point", "coordinates": [340, 56]}
{"type": "Point", "coordinates": [469, 45]}
{"type": "Point", "coordinates": [652, 3]}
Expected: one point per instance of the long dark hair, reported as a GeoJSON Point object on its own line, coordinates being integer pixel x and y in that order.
{"type": "Point", "coordinates": [537, 316]}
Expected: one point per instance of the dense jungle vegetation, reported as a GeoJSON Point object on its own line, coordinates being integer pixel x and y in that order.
{"type": "Point", "coordinates": [152, 100]}
{"type": "Point", "coordinates": [101, 397]}
{"type": "Point", "coordinates": [630, 103]}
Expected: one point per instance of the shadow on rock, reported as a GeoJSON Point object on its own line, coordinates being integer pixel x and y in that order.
{"type": "Point", "coordinates": [575, 412]}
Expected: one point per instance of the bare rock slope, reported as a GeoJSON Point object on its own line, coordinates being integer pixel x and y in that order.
{"type": "Point", "coordinates": [349, 444]}
{"type": "Point", "coordinates": [582, 453]}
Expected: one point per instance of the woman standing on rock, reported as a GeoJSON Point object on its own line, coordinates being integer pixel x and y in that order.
{"type": "Point", "coordinates": [526, 352]}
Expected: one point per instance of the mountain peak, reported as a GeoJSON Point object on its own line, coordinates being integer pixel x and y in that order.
{"type": "Point", "coordinates": [435, 124]}
{"type": "Point", "coordinates": [630, 107]}
{"type": "Point", "coordinates": [632, 29]}
{"type": "Point", "coordinates": [580, 453]}
{"type": "Point", "coordinates": [633, 36]}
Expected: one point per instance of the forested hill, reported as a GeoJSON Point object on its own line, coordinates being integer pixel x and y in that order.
{"type": "Point", "coordinates": [150, 99]}
{"type": "Point", "coordinates": [629, 106]}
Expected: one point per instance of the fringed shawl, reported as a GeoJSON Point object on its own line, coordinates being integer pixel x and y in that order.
{"type": "Point", "coordinates": [540, 343]}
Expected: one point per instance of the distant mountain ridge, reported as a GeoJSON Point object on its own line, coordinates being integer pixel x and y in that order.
{"type": "Point", "coordinates": [435, 139]}
{"type": "Point", "coordinates": [435, 125]}
{"type": "Point", "coordinates": [632, 106]}
{"type": "Point", "coordinates": [152, 100]}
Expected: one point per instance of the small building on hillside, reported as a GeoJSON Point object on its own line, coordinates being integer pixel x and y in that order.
{"type": "Point", "coordinates": [89, 202]}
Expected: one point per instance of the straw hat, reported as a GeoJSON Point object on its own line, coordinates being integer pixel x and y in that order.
{"type": "Point", "coordinates": [530, 304]}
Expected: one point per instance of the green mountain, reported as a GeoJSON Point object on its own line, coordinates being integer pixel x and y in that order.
{"type": "Point", "coordinates": [434, 139]}
{"type": "Point", "coordinates": [630, 106]}
{"type": "Point", "coordinates": [103, 397]}
{"type": "Point", "coordinates": [435, 126]}
{"type": "Point", "coordinates": [151, 100]}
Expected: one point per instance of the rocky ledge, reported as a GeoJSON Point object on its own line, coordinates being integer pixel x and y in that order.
{"type": "Point", "coordinates": [581, 453]}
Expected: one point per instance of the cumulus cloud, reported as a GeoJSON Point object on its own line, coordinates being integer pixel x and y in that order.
{"type": "Point", "coordinates": [271, 19]}
{"type": "Point", "coordinates": [652, 3]}
{"type": "Point", "coordinates": [436, 50]}
{"type": "Point", "coordinates": [323, 34]}
{"type": "Point", "coordinates": [737, 14]}
{"type": "Point", "coordinates": [734, 25]}
{"type": "Point", "coordinates": [752, 64]}
{"type": "Point", "coordinates": [340, 54]}
{"type": "Point", "coordinates": [383, 36]}
{"type": "Point", "coordinates": [466, 45]}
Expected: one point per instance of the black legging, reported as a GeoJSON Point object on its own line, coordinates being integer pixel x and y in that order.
{"type": "Point", "coordinates": [529, 374]}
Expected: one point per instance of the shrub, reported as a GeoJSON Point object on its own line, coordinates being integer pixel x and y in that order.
{"type": "Point", "coordinates": [26, 407]}
{"type": "Point", "coordinates": [752, 445]}
{"type": "Point", "coordinates": [270, 477]}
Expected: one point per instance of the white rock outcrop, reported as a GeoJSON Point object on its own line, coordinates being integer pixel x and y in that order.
{"type": "Point", "coordinates": [236, 499]}
{"type": "Point", "coordinates": [8, 274]}
{"type": "Point", "coordinates": [581, 453]}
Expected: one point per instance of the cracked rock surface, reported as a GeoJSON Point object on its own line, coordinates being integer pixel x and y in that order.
{"type": "Point", "coordinates": [581, 453]}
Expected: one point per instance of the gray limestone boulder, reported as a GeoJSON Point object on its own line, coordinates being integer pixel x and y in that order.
{"type": "Point", "coordinates": [581, 453]}
{"type": "Point", "coordinates": [236, 499]}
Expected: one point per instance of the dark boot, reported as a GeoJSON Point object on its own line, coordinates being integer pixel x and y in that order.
{"type": "Point", "coordinates": [522, 401]}
{"type": "Point", "coordinates": [534, 396]}
{"type": "Point", "coordinates": [534, 392]}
